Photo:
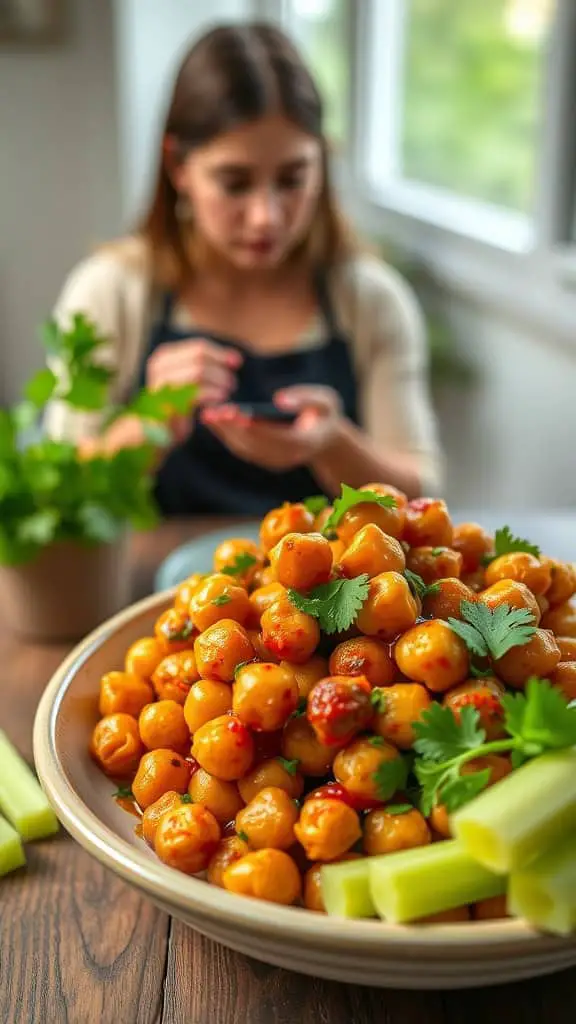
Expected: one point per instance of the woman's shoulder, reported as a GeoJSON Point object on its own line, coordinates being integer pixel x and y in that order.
{"type": "Point", "coordinates": [368, 281]}
{"type": "Point", "coordinates": [124, 260]}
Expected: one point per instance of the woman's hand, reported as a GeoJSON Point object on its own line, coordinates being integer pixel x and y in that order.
{"type": "Point", "coordinates": [201, 362]}
{"type": "Point", "coordinates": [278, 446]}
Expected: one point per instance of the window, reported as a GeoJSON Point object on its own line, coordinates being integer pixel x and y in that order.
{"type": "Point", "coordinates": [322, 30]}
{"type": "Point", "coordinates": [470, 87]}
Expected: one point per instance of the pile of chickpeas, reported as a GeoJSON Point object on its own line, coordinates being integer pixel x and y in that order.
{"type": "Point", "coordinates": [252, 744]}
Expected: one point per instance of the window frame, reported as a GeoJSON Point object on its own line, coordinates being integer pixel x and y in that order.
{"type": "Point", "coordinates": [522, 267]}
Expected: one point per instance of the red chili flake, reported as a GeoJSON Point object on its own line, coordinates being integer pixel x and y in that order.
{"type": "Point", "coordinates": [336, 791]}
{"type": "Point", "coordinates": [481, 700]}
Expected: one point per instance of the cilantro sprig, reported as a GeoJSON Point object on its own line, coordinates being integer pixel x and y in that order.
{"type": "Point", "coordinates": [418, 587]}
{"type": "Point", "coordinates": [336, 604]}
{"type": "Point", "coordinates": [349, 497]}
{"type": "Point", "coordinates": [491, 632]}
{"type": "Point", "coordinates": [505, 542]}
{"type": "Point", "coordinates": [290, 766]}
{"type": "Point", "coordinates": [243, 561]}
{"type": "Point", "coordinates": [536, 721]}
{"type": "Point", "coordinates": [316, 503]}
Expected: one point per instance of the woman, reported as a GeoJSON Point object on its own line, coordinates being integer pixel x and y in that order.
{"type": "Point", "coordinates": [243, 279]}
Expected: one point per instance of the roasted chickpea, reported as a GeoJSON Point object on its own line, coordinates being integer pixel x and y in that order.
{"type": "Point", "coordinates": [512, 593]}
{"type": "Point", "coordinates": [309, 673]}
{"type": "Point", "coordinates": [221, 798]}
{"type": "Point", "coordinates": [159, 771]}
{"type": "Point", "coordinates": [224, 748]}
{"type": "Point", "coordinates": [538, 657]}
{"type": "Point", "coordinates": [239, 558]}
{"type": "Point", "coordinates": [522, 567]}
{"type": "Point", "coordinates": [265, 874]}
{"type": "Point", "coordinates": [389, 520]}
{"type": "Point", "coordinates": [302, 561]}
{"type": "Point", "coordinates": [485, 695]}
{"type": "Point", "coordinates": [143, 656]}
{"type": "Point", "coordinates": [372, 552]}
{"type": "Point", "coordinates": [428, 523]}
{"type": "Point", "coordinates": [263, 577]}
{"type": "Point", "coordinates": [498, 766]}
{"type": "Point", "coordinates": [312, 894]}
{"type": "Point", "coordinates": [120, 691]}
{"type": "Point", "coordinates": [154, 812]}
{"type": "Point", "coordinates": [268, 820]}
{"type": "Point", "coordinates": [472, 541]}
{"type": "Point", "coordinates": [492, 909]}
{"type": "Point", "coordinates": [389, 608]}
{"type": "Point", "coordinates": [567, 646]}
{"type": "Point", "coordinates": [300, 743]}
{"type": "Point", "coordinates": [162, 724]}
{"type": "Point", "coordinates": [543, 603]}
{"type": "Point", "coordinates": [339, 707]}
{"type": "Point", "coordinates": [433, 654]}
{"type": "Point", "coordinates": [445, 600]}
{"type": "Point", "coordinates": [228, 850]}
{"type": "Point", "coordinates": [563, 581]}
{"type": "Point", "coordinates": [288, 634]}
{"type": "Point", "coordinates": [327, 828]}
{"type": "Point", "coordinates": [116, 745]}
{"type": "Point", "coordinates": [434, 563]}
{"type": "Point", "coordinates": [185, 590]}
{"type": "Point", "coordinates": [386, 831]}
{"type": "Point", "coordinates": [439, 821]}
{"type": "Point", "coordinates": [561, 619]}
{"type": "Point", "coordinates": [281, 521]}
{"type": "Point", "coordinates": [402, 705]}
{"type": "Point", "coordinates": [186, 838]}
{"type": "Point", "coordinates": [363, 656]}
{"type": "Point", "coordinates": [276, 772]}
{"type": "Point", "coordinates": [218, 597]}
{"type": "Point", "coordinates": [262, 598]}
{"type": "Point", "coordinates": [264, 696]}
{"type": "Point", "coordinates": [563, 678]}
{"type": "Point", "coordinates": [207, 700]}
{"type": "Point", "coordinates": [174, 630]}
{"type": "Point", "coordinates": [221, 648]}
{"type": "Point", "coordinates": [356, 768]}
{"type": "Point", "coordinates": [338, 548]}
{"type": "Point", "coordinates": [474, 580]}
{"type": "Point", "coordinates": [262, 652]}
{"type": "Point", "coordinates": [174, 676]}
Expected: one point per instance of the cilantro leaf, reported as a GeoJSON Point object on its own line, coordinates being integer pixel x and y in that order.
{"type": "Point", "coordinates": [163, 403]}
{"type": "Point", "coordinates": [378, 700]}
{"type": "Point", "coordinates": [242, 836]}
{"type": "Point", "coordinates": [243, 561]}
{"type": "Point", "coordinates": [242, 664]}
{"type": "Point", "coordinates": [349, 497]}
{"type": "Point", "coordinates": [335, 605]}
{"type": "Point", "coordinates": [289, 766]}
{"type": "Point", "coordinates": [441, 737]}
{"type": "Point", "coordinates": [539, 718]}
{"type": "Point", "coordinates": [376, 741]}
{"type": "Point", "coordinates": [40, 388]}
{"type": "Point", "coordinates": [418, 587]}
{"type": "Point", "coordinates": [300, 708]}
{"type": "Point", "coordinates": [185, 798]}
{"type": "Point", "coordinates": [124, 793]}
{"type": "Point", "coordinates": [398, 808]}
{"type": "Point", "coordinates": [493, 631]}
{"type": "Point", "coordinates": [316, 503]}
{"type": "Point", "coordinates": [505, 542]}
{"type": "Point", "coordinates": [390, 776]}
{"type": "Point", "coordinates": [221, 599]}
{"type": "Point", "coordinates": [462, 788]}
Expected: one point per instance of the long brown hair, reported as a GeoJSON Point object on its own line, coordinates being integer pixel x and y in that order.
{"type": "Point", "coordinates": [235, 74]}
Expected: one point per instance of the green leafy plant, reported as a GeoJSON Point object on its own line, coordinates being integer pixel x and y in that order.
{"type": "Point", "coordinates": [48, 491]}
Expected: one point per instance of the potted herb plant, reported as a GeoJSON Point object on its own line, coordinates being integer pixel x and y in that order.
{"type": "Point", "coordinates": [63, 516]}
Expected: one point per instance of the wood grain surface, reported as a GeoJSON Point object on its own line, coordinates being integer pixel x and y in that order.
{"type": "Point", "coordinates": [79, 946]}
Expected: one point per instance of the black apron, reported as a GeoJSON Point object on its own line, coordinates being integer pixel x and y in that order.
{"type": "Point", "coordinates": [201, 476]}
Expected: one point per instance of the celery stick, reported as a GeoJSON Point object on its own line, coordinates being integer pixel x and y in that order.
{"type": "Point", "coordinates": [427, 880]}
{"type": "Point", "coordinates": [21, 799]}
{"type": "Point", "coordinates": [515, 821]}
{"type": "Point", "coordinates": [345, 889]}
{"type": "Point", "coordinates": [11, 849]}
{"type": "Point", "coordinates": [545, 892]}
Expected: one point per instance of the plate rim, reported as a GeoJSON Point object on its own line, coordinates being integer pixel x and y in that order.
{"type": "Point", "coordinates": [487, 938]}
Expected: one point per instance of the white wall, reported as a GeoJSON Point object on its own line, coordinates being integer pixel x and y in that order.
{"type": "Point", "coordinates": [151, 37]}
{"type": "Point", "coordinates": [510, 442]}
{"type": "Point", "coordinates": [59, 182]}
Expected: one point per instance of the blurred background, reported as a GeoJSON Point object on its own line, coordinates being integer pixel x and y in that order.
{"type": "Point", "coordinates": [453, 129]}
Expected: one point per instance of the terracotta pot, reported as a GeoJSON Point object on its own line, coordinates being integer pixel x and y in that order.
{"type": "Point", "coordinates": [66, 592]}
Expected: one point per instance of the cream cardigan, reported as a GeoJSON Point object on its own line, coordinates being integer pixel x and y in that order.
{"type": "Point", "coordinates": [373, 304]}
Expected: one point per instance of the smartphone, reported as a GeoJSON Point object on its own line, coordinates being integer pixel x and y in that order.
{"type": "Point", "coordinates": [267, 411]}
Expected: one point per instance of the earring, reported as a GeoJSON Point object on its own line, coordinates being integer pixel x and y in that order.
{"type": "Point", "coordinates": [183, 209]}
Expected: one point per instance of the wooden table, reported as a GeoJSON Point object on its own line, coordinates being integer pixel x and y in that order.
{"type": "Point", "coordinates": [79, 946]}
